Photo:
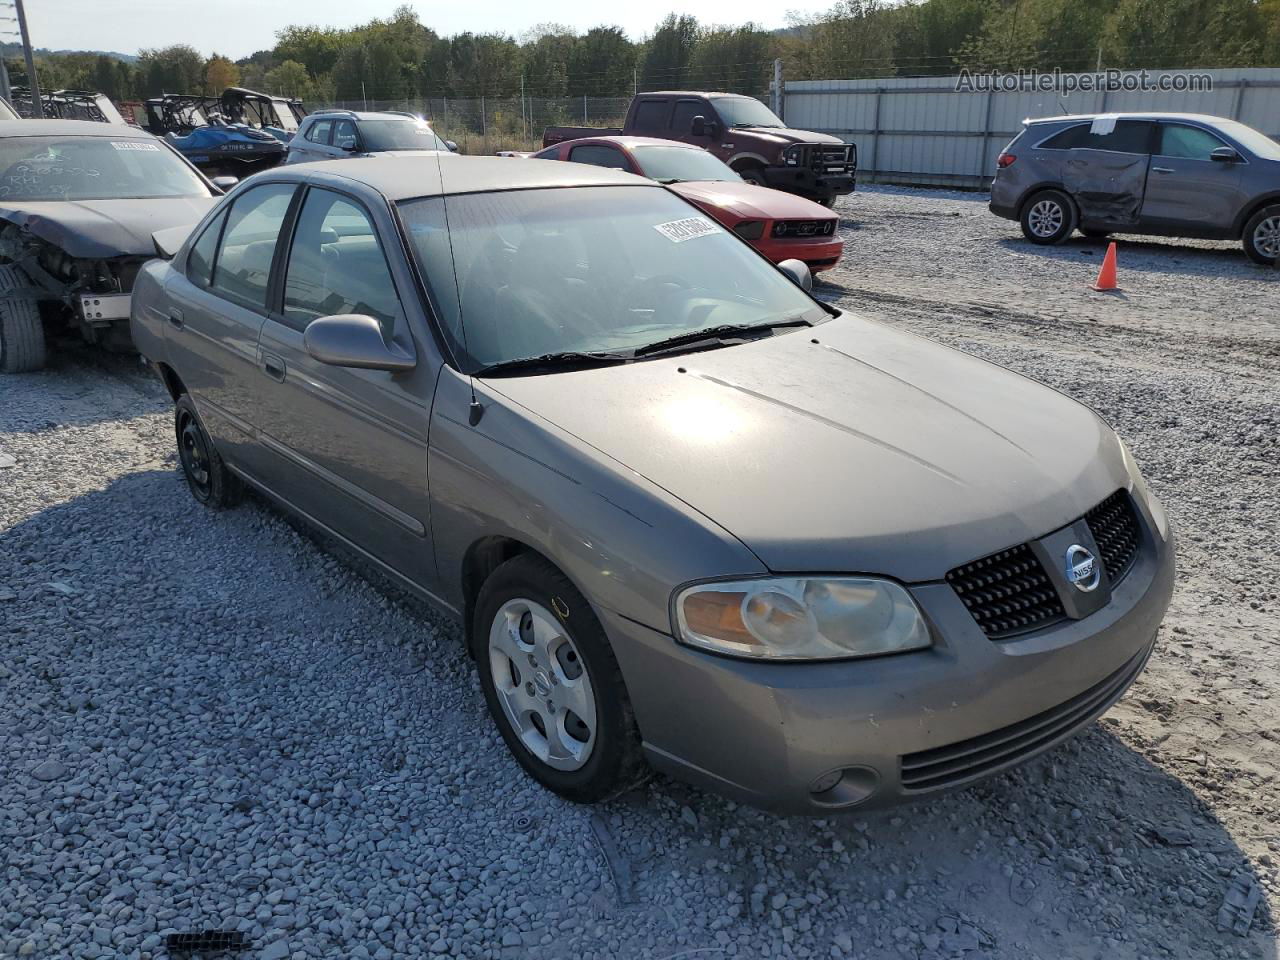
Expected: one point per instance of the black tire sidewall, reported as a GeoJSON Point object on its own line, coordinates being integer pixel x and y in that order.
{"type": "Point", "coordinates": [223, 486]}
{"type": "Point", "coordinates": [1068, 220]}
{"type": "Point", "coordinates": [1252, 252]}
{"type": "Point", "coordinates": [529, 577]}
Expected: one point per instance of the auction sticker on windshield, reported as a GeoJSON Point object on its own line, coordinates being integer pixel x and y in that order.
{"type": "Point", "coordinates": [678, 231]}
{"type": "Point", "coordinates": [135, 145]}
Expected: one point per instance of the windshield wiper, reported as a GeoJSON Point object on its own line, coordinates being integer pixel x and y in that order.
{"type": "Point", "coordinates": [725, 333]}
{"type": "Point", "coordinates": [667, 181]}
{"type": "Point", "coordinates": [572, 359]}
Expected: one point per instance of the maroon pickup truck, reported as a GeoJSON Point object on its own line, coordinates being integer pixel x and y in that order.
{"type": "Point", "coordinates": [742, 132]}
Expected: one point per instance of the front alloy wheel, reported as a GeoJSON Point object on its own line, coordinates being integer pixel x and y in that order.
{"type": "Point", "coordinates": [1262, 237]}
{"type": "Point", "coordinates": [552, 683]}
{"type": "Point", "coordinates": [542, 683]}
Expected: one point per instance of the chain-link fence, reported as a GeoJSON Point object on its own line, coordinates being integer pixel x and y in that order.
{"type": "Point", "coordinates": [485, 125]}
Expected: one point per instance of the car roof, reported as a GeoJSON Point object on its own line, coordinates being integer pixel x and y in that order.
{"type": "Point", "coordinates": [1077, 117]}
{"type": "Point", "coordinates": [710, 94]}
{"type": "Point", "coordinates": [363, 115]}
{"type": "Point", "coordinates": [625, 141]}
{"type": "Point", "coordinates": [71, 128]}
{"type": "Point", "coordinates": [402, 178]}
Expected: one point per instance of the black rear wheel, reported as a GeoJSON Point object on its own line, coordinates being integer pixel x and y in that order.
{"type": "Point", "coordinates": [1048, 217]}
{"type": "Point", "coordinates": [208, 478]}
{"type": "Point", "coordinates": [1261, 237]}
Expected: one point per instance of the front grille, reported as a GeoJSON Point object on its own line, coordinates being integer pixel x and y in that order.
{"type": "Point", "coordinates": [823, 158]}
{"type": "Point", "coordinates": [1008, 593]}
{"type": "Point", "coordinates": [800, 229]}
{"type": "Point", "coordinates": [1115, 529]}
{"type": "Point", "coordinates": [966, 760]}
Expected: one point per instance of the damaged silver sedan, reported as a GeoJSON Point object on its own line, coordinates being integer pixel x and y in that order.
{"type": "Point", "coordinates": [79, 202]}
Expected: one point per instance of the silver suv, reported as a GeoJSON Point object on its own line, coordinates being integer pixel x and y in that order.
{"type": "Point", "coordinates": [1167, 174]}
{"type": "Point", "coordinates": [340, 134]}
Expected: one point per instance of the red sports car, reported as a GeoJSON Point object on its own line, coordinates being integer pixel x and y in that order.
{"type": "Point", "coordinates": [780, 225]}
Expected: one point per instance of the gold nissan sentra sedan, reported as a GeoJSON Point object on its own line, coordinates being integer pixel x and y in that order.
{"type": "Point", "coordinates": [689, 516]}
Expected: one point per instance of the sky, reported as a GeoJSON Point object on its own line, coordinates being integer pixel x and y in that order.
{"type": "Point", "coordinates": [237, 28]}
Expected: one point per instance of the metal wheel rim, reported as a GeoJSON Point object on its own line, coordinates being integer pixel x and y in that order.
{"type": "Point", "coordinates": [1045, 218]}
{"type": "Point", "coordinates": [1266, 237]}
{"type": "Point", "coordinates": [543, 685]}
{"type": "Point", "coordinates": [194, 454]}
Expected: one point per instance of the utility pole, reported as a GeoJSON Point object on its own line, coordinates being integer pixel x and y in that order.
{"type": "Point", "coordinates": [37, 106]}
{"type": "Point", "coordinates": [777, 86]}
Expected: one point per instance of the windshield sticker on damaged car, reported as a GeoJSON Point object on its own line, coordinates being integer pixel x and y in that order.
{"type": "Point", "coordinates": [135, 145]}
{"type": "Point", "coordinates": [678, 231]}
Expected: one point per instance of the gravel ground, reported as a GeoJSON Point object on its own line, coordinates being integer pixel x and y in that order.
{"type": "Point", "coordinates": [214, 722]}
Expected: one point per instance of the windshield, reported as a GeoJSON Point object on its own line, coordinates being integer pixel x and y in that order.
{"type": "Point", "coordinates": [93, 168]}
{"type": "Point", "coordinates": [1257, 143]}
{"type": "Point", "coordinates": [671, 164]}
{"type": "Point", "coordinates": [746, 112]}
{"type": "Point", "coordinates": [399, 135]}
{"type": "Point", "coordinates": [588, 269]}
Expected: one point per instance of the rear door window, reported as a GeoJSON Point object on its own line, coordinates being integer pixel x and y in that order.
{"type": "Point", "coordinates": [651, 115]}
{"type": "Point", "coordinates": [319, 131]}
{"type": "Point", "coordinates": [243, 266]}
{"type": "Point", "coordinates": [599, 155]}
{"type": "Point", "coordinates": [1128, 136]}
{"type": "Point", "coordinates": [1187, 142]}
{"type": "Point", "coordinates": [200, 259]}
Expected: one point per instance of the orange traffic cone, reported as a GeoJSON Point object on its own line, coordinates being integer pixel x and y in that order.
{"type": "Point", "coordinates": [1107, 275]}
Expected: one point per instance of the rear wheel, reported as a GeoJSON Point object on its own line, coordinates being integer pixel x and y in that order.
{"type": "Point", "coordinates": [22, 343]}
{"type": "Point", "coordinates": [208, 478]}
{"type": "Point", "coordinates": [1048, 217]}
{"type": "Point", "coordinates": [1261, 236]}
{"type": "Point", "coordinates": [552, 683]}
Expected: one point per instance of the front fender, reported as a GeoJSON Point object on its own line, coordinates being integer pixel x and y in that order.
{"type": "Point", "coordinates": [624, 542]}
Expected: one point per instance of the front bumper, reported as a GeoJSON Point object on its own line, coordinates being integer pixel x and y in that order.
{"type": "Point", "coordinates": [808, 182]}
{"type": "Point", "coordinates": [817, 254]}
{"type": "Point", "coordinates": [964, 710]}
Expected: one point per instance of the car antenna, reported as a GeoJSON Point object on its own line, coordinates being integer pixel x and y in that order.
{"type": "Point", "coordinates": [476, 409]}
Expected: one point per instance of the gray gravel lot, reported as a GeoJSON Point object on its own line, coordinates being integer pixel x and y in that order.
{"type": "Point", "coordinates": [213, 721]}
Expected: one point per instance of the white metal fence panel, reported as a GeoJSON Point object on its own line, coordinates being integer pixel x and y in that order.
{"type": "Point", "coordinates": [923, 130]}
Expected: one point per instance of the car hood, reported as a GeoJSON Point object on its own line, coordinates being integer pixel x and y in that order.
{"type": "Point", "coordinates": [869, 451]}
{"type": "Point", "coordinates": [785, 135]}
{"type": "Point", "coordinates": [749, 200]}
{"type": "Point", "coordinates": [105, 228]}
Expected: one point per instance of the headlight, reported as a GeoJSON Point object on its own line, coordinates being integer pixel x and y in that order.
{"type": "Point", "coordinates": [1143, 492]}
{"type": "Point", "coordinates": [750, 229]}
{"type": "Point", "coordinates": [801, 618]}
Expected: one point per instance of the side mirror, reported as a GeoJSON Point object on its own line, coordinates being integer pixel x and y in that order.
{"type": "Point", "coordinates": [1225, 155]}
{"type": "Point", "coordinates": [225, 183]}
{"type": "Point", "coordinates": [698, 127]}
{"type": "Point", "coordinates": [354, 340]}
{"type": "Point", "coordinates": [797, 270]}
{"type": "Point", "coordinates": [453, 147]}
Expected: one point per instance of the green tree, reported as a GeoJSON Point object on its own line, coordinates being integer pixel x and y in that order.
{"type": "Point", "coordinates": [220, 73]}
{"type": "Point", "coordinates": [602, 64]}
{"type": "Point", "coordinates": [547, 50]}
{"type": "Point", "coordinates": [289, 79]}
{"type": "Point", "coordinates": [176, 69]}
{"type": "Point", "coordinates": [736, 59]}
{"type": "Point", "coordinates": [668, 53]}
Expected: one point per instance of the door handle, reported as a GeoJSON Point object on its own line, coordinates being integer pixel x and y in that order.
{"type": "Point", "coordinates": [1163, 170]}
{"type": "Point", "coordinates": [273, 366]}
{"type": "Point", "coordinates": [175, 319]}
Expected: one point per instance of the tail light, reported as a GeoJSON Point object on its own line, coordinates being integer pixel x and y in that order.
{"type": "Point", "coordinates": [1005, 160]}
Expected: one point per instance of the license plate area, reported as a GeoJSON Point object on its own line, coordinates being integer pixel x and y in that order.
{"type": "Point", "coordinates": [103, 308]}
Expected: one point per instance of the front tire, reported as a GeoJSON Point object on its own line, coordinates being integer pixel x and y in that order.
{"type": "Point", "coordinates": [22, 342]}
{"type": "Point", "coordinates": [1261, 237]}
{"type": "Point", "coordinates": [208, 478]}
{"type": "Point", "coordinates": [1048, 217]}
{"type": "Point", "coordinates": [552, 683]}
{"type": "Point", "coordinates": [753, 174]}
